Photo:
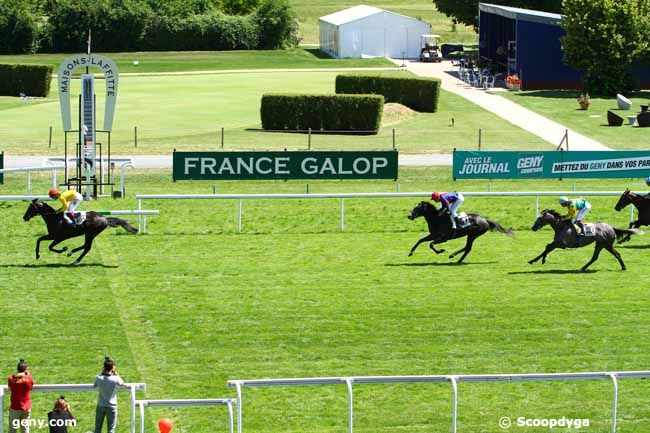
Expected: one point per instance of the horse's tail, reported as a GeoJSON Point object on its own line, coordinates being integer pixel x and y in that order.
{"type": "Point", "coordinates": [620, 233]}
{"type": "Point", "coordinates": [498, 227]}
{"type": "Point", "coordinates": [116, 222]}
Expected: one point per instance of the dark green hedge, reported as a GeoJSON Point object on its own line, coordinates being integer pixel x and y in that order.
{"type": "Point", "coordinates": [201, 32]}
{"type": "Point", "coordinates": [322, 112]}
{"type": "Point", "coordinates": [420, 94]}
{"type": "Point", "coordinates": [32, 80]}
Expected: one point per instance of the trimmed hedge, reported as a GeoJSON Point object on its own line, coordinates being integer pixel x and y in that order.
{"type": "Point", "coordinates": [420, 94]}
{"type": "Point", "coordinates": [360, 113]}
{"type": "Point", "coordinates": [32, 80]}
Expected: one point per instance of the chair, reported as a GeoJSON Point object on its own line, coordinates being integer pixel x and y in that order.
{"type": "Point", "coordinates": [614, 119]}
{"type": "Point", "coordinates": [488, 81]}
{"type": "Point", "coordinates": [622, 102]}
{"type": "Point", "coordinates": [643, 119]}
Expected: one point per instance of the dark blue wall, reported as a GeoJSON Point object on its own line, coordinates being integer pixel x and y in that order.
{"type": "Point", "coordinates": [539, 57]}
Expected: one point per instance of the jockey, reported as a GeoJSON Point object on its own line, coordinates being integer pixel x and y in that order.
{"type": "Point", "coordinates": [450, 201]}
{"type": "Point", "coordinates": [70, 199]}
{"type": "Point", "coordinates": [577, 210]}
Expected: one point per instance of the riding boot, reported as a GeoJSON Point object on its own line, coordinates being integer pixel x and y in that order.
{"type": "Point", "coordinates": [582, 228]}
{"type": "Point", "coordinates": [73, 218]}
{"type": "Point", "coordinates": [453, 222]}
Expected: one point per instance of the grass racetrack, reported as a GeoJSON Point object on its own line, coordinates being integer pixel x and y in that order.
{"type": "Point", "coordinates": [193, 303]}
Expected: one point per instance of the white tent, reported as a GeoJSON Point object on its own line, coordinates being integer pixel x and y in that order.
{"type": "Point", "coordinates": [366, 31]}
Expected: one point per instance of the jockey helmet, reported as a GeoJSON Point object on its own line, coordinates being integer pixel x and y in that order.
{"type": "Point", "coordinates": [435, 196]}
{"type": "Point", "coordinates": [564, 199]}
{"type": "Point", "coordinates": [53, 193]}
{"type": "Point", "coordinates": [647, 180]}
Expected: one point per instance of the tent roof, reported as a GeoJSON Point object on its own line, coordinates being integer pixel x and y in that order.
{"type": "Point", "coordinates": [522, 14]}
{"type": "Point", "coordinates": [356, 13]}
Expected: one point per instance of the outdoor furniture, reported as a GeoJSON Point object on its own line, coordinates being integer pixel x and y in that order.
{"type": "Point", "coordinates": [622, 102]}
{"type": "Point", "coordinates": [631, 119]}
{"type": "Point", "coordinates": [614, 119]}
{"type": "Point", "coordinates": [643, 119]}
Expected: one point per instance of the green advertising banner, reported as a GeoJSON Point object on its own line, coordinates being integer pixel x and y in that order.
{"type": "Point", "coordinates": [551, 164]}
{"type": "Point", "coordinates": [284, 165]}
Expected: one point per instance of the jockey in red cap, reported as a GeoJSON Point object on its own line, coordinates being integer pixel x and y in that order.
{"type": "Point", "coordinates": [69, 199]}
{"type": "Point", "coordinates": [450, 201]}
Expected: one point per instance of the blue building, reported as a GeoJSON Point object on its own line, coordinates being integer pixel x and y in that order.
{"type": "Point", "coordinates": [526, 43]}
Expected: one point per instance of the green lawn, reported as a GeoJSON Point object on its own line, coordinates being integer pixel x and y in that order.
{"type": "Point", "coordinates": [562, 107]}
{"type": "Point", "coordinates": [187, 112]}
{"type": "Point", "coordinates": [193, 304]}
{"type": "Point", "coordinates": [309, 12]}
{"type": "Point", "coordinates": [173, 61]}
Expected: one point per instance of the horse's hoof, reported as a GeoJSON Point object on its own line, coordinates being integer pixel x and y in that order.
{"type": "Point", "coordinates": [624, 269]}
{"type": "Point", "coordinates": [75, 263]}
{"type": "Point", "coordinates": [410, 254]}
{"type": "Point", "coordinates": [69, 254]}
{"type": "Point", "coordinates": [530, 262]}
{"type": "Point", "coordinates": [64, 249]}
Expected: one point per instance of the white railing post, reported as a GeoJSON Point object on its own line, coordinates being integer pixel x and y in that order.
{"type": "Point", "coordinates": [29, 182]}
{"type": "Point", "coordinates": [454, 405]}
{"type": "Point", "coordinates": [132, 389]}
{"type": "Point", "coordinates": [342, 224]}
{"type": "Point", "coordinates": [139, 215]}
{"type": "Point", "coordinates": [239, 406]}
{"type": "Point", "coordinates": [348, 384]}
{"type": "Point", "coordinates": [615, 402]}
{"type": "Point", "coordinates": [239, 215]}
{"type": "Point", "coordinates": [2, 405]}
{"type": "Point", "coordinates": [141, 404]}
{"type": "Point", "coordinates": [230, 418]}
{"type": "Point", "coordinates": [53, 178]}
{"type": "Point", "coordinates": [536, 206]}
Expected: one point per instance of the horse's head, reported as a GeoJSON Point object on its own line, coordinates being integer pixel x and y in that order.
{"type": "Point", "coordinates": [624, 200]}
{"type": "Point", "coordinates": [423, 208]}
{"type": "Point", "coordinates": [547, 216]}
{"type": "Point", "coordinates": [32, 210]}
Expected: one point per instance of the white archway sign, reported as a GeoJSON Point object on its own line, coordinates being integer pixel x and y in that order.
{"type": "Point", "coordinates": [111, 77]}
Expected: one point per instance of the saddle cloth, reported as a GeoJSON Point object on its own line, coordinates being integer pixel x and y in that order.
{"type": "Point", "coordinates": [463, 220]}
{"type": "Point", "coordinates": [590, 229]}
{"type": "Point", "coordinates": [80, 217]}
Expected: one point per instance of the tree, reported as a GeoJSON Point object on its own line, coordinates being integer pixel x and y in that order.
{"type": "Point", "coordinates": [466, 11]}
{"type": "Point", "coordinates": [604, 38]}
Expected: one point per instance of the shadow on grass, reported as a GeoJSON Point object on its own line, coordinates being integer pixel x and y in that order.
{"type": "Point", "coordinates": [59, 265]}
{"type": "Point", "coordinates": [555, 271]}
{"type": "Point", "coordinates": [634, 247]}
{"type": "Point", "coordinates": [318, 53]}
{"type": "Point", "coordinates": [440, 264]}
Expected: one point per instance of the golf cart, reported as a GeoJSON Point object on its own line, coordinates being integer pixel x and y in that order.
{"type": "Point", "coordinates": [429, 50]}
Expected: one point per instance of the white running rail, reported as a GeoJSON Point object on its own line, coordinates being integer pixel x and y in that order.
{"type": "Point", "coordinates": [29, 170]}
{"type": "Point", "coordinates": [229, 402]}
{"type": "Point", "coordinates": [453, 379]}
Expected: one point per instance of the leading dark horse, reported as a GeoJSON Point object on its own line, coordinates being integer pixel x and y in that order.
{"type": "Point", "coordinates": [566, 237]}
{"type": "Point", "coordinates": [641, 203]}
{"type": "Point", "coordinates": [440, 228]}
{"type": "Point", "coordinates": [59, 230]}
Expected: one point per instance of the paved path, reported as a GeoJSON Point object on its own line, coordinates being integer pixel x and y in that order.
{"type": "Point", "coordinates": [514, 113]}
{"type": "Point", "coordinates": [165, 161]}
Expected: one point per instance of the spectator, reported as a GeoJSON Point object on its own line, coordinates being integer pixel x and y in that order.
{"type": "Point", "coordinates": [21, 385]}
{"type": "Point", "coordinates": [107, 384]}
{"type": "Point", "coordinates": [60, 416]}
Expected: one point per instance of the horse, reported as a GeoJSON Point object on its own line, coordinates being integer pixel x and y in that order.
{"type": "Point", "coordinates": [641, 203]}
{"type": "Point", "coordinates": [440, 229]}
{"type": "Point", "coordinates": [566, 237]}
{"type": "Point", "coordinates": [59, 230]}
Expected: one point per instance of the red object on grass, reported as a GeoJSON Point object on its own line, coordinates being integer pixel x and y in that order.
{"type": "Point", "coordinates": [165, 425]}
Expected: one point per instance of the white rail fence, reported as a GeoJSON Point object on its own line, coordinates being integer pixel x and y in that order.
{"type": "Point", "coordinates": [370, 195]}
{"type": "Point", "coordinates": [131, 387]}
{"type": "Point", "coordinates": [453, 379]}
{"type": "Point", "coordinates": [228, 402]}
{"type": "Point", "coordinates": [29, 171]}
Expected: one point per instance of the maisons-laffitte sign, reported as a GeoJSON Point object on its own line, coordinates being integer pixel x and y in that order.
{"type": "Point", "coordinates": [111, 78]}
{"type": "Point", "coordinates": [284, 165]}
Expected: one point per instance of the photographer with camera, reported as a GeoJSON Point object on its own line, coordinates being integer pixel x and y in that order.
{"type": "Point", "coordinates": [59, 418]}
{"type": "Point", "coordinates": [107, 384]}
{"type": "Point", "coordinates": [20, 384]}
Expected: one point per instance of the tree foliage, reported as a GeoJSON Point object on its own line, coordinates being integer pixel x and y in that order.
{"type": "Point", "coordinates": [466, 11]}
{"type": "Point", "coordinates": [604, 38]}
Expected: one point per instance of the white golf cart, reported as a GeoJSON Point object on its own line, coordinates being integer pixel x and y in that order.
{"type": "Point", "coordinates": [429, 49]}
